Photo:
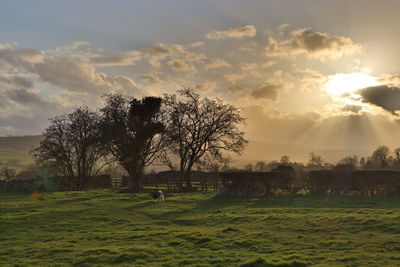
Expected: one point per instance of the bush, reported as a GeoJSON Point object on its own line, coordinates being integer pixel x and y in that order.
{"type": "Point", "coordinates": [359, 182]}
{"type": "Point", "coordinates": [18, 185]}
{"type": "Point", "coordinates": [250, 183]}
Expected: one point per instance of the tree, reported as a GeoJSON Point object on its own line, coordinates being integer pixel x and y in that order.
{"type": "Point", "coordinates": [248, 167]}
{"type": "Point", "coordinates": [131, 132]}
{"type": "Point", "coordinates": [72, 143]}
{"type": "Point", "coordinates": [8, 173]}
{"type": "Point", "coordinates": [380, 157]}
{"type": "Point", "coordinates": [396, 160]}
{"type": "Point", "coordinates": [212, 165]}
{"type": "Point", "coordinates": [200, 127]}
{"type": "Point", "coordinates": [285, 160]}
{"type": "Point", "coordinates": [397, 154]}
{"type": "Point", "coordinates": [273, 164]}
{"type": "Point", "coordinates": [362, 162]}
{"type": "Point", "coordinates": [348, 163]}
{"type": "Point", "coordinates": [315, 160]}
{"type": "Point", "coordinates": [261, 166]}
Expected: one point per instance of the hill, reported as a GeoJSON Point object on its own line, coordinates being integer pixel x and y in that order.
{"type": "Point", "coordinates": [19, 143]}
{"type": "Point", "coordinates": [18, 147]}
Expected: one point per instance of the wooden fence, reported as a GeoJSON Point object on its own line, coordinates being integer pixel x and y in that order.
{"type": "Point", "coordinates": [168, 181]}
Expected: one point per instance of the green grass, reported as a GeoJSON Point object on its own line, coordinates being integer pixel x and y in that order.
{"type": "Point", "coordinates": [197, 229]}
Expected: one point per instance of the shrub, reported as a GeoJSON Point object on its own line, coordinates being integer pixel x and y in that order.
{"type": "Point", "coordinates": [360, 182]}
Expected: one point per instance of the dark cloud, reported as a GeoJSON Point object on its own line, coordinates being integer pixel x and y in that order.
{"type": "Point", "coordinates": [269, 91]}
{"type": "Point", "coordinates": [16, 81]}
{"type": "Point", "coordinates": [382, 96]}
{"type": "Point", "coordinates": [26, 97]}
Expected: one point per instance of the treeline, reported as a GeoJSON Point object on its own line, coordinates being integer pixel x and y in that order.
{"type": "Point", "coordinates": [328, 182]}
{"type": "Point", "coordinates": [182, 131]}
{"type": "Point", "coordinates": [381, 158]}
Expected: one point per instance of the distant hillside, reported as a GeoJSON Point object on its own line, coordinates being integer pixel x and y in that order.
{"type": "Point", "coordinates": [11, 146]}
{"type": "Point", "coordinates": [22, 144]}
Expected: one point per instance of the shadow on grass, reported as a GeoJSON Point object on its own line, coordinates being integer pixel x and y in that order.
{"type": "Point", "coordinates": [217, 204]}
{"type": "Point", "coordinates": [262, 263]}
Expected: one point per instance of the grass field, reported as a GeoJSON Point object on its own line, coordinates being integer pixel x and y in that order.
{"type": "Point", "coordinates": [198, 229]}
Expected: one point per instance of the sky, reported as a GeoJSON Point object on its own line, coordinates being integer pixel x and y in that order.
{"type": "Point", "coordinates": [319, 73]}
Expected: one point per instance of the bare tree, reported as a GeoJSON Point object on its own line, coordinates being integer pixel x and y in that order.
{"type": "Point", "coordinates": [248, 167]}
{"type": "Point", "coordinates": [315, 160]}
{"type": "Point", "coordinates": [349, 163]}
{"type": "Point", "coordinates": [72, 143]}
{"type": "Point", "coordinates": [214, 165]}
{"type": "Point", "coordinates": [396, 159]}
{"type": "Point", "coordinates": [200, 127]}
{"type": "Point", "coordinates": [8, 173]}
{"type": "Point", "coordinates": [131, 131]}
{"type": "Point", "coordinates": [380, 157]}
{"type": "Point", "coordinates": [285, 160]}
{"type": "Point", "coordinates": [396, 152]}
{"type": "Point", "coordinates": [261, 166]}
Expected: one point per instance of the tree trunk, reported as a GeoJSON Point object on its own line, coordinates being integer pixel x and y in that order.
{"type": "Point", "coordinates": [135, 181]}
{"type": "Point", "coordinates": [188, 180]}
{"type": "Point", "coordinates": [179, 180]}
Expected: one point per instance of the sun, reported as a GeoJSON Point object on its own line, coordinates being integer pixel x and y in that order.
{"type": "Point", "coordinates": [345, 85]}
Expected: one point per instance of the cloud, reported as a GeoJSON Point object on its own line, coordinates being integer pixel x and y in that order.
{"type": "Point", "coordinates": [15, 81]}
{"type": "Point", "coordinates": [351, 108]}
{"type": "Point", "coordinates": [312, 44]}
{"type": "Point", "coordinates": [74, 75]}
{"type": "Point", "coordinates": [161, 51]}
{"type": "Point", "coordinates": [233, 77]}
{"type": "Point", "coordinates": [179, 65]}
{"type": "Point", "coordinates": [18, 57]}
{"type": "Point", "coordinates": [217, 63]}
{"type": "Point", "coordinates": [196, 44]}
{"type": "Point", "coordinates": [26, 97]}
{"type": "Point", "coordinates": [129, 58]}
{"type": "Point", "coordinates": [233, 33]}
{"type": "Point", "coordinates": [268, 91]}
{"type": "Point", "coordinates": [382, 96]}
{"type": "Point", "coordinates": [268, 64]}
{"type": "Point", "coordinates": [111, 61]}
{"type": "Point", "coordinates": [206, 86]}
{"type": "Point", "coordinates": [248, 66]}
{"type": "Point", "coordinates": [150, 79]}
{"type": "Point", "coordinates": [73, 46]}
